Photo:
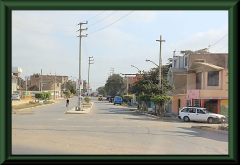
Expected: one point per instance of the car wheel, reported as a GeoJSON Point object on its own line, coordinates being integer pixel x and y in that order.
{"type": "Point", "coordinates": [186, 119]}
{"type": "Point", "coordinates": [210, 120]}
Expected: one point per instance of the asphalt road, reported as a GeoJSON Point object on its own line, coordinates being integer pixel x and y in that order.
{"type": "Point", "coordinates": [108, 130]}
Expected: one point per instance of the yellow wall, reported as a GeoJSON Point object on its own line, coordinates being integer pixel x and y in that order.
{"type": "Point", "coordinates": [175, 98]}
{"type": "Point", "coordinates": [224, 107]}
{"type": "Point", "coordinates": [191, 81]}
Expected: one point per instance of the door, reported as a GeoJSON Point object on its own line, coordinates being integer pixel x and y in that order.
{"type": "Point", "coordinates": [201, 115]}
{"type": "Point", "coordinates": [192, 114]}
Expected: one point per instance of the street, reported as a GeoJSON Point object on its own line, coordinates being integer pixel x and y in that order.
{"type": "Point", "coordinates": [108, 129]}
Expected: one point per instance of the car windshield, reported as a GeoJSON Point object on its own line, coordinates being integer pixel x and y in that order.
{"type": "Point", "coordinates": [117, 97]}
{"type": "Point", "coordinates": [205, 110]}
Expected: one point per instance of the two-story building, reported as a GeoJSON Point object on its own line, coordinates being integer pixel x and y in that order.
{"type": "Point", "coordinates": [200, 80]}
{"type": "Point", "coordinates": [50, 83]}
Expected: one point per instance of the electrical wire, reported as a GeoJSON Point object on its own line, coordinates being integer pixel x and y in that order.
{"type": "Point", "coordinates": [42, 32]}
{"type": "Point", "coordinates": [43, 21]}
{"type": "Point", "coordinates": [222, 47]}
{"type": "Point", "coordinates": [94, 16]}
{"type": "Point", "coordinates": [101, 19]}
{"type": "Point", "coordinates": [111, 23]}
{"type": "Point", "coordinates": [218, 41]}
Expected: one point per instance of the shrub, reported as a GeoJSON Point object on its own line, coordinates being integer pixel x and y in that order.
{"type": "Point", "coordinates": [126, 98]}
{"type": "Point", "coordinates": [87, 99]}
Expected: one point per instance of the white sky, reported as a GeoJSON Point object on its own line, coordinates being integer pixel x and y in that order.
{"type": "Point", "coordinates": [48, 40]}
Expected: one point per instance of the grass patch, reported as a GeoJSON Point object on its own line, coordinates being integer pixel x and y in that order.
{"type": "Point", "coordinates": [30, 104]}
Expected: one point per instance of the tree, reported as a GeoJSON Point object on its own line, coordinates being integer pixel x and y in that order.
{"type": "Point", "coordinates": [70, 85]}
{"type": "Point", "coordinates": [149, 85]}
{"type": "Point", "coordinates": [200, 51]}
{"type": "Point", "coordinates": [33, 88]}
{"type": "Point", "coordinates": [20, 82]}
{"type": "Point", "coordinates": [101, 91]}
{"type": "Point", "coordinates": [67, 93]}
{"type": "Point", "coordinates": [115, 85]}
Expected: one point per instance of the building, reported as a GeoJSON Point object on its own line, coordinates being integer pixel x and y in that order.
{"type": "Point", "coordinates": [15, 75]}
{"type": "Point", "coordinates": [50, 83]}
{"type": "Point", "coordinates": [199, 80]}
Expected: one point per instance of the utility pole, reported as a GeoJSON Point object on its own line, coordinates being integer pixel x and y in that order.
{"type": "Point", "coordinates": [26, 85]}
{"type": "Point", "coordinates": [55, 87]}
{"type": "Point", "coordinates": [79, 86]}
{"type": "Point", "coordinates": [89, 62]}
{"type": "Point", "coordinates": [160, 58]}
{"type": "Point", "coordinates": [41, 81]}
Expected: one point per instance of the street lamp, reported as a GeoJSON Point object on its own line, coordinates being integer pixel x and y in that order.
{"type": "Point", "coordinates": [152, 62]}
{"type": "Point", "coordinates": [136, 68]}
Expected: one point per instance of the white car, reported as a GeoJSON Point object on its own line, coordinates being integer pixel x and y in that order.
{"type": "Point", "coordinates": [200, 114]}
{"type": "Point", "coordinates": [15, 96]}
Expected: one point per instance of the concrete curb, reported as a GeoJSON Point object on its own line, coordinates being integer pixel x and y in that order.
{"type": "Point", "coordinates": [207, 128]}
{"type": "Point", "coordinates": [211, 129]}
{"type": "Point", "coordinates": [83, 111]}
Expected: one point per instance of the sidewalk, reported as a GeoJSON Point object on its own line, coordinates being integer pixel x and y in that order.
{"type": "Point", "coordinates": [204, 126]}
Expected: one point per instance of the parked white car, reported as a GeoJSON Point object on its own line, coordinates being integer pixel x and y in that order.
{"type": "Point", "coordinates": [15, 96]}
{"type": "Point", "coordinates": [200, 114]}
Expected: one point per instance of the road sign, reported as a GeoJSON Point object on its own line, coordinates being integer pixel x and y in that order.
{"type": "Point", "coordinates": [79, 84]}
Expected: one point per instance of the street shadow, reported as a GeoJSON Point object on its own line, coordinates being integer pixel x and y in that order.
{"type": "Point", "coordinates": [200, 133]}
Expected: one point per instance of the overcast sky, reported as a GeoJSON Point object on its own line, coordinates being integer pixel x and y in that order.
{"type": "Point", "coordinates": [116, 40]}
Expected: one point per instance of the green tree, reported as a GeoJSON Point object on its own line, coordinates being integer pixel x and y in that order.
{"type": "Point", "coordinates": [149, 85]}
{"type": "Point", "coordinates": [115, 85]}
{"type": "Point", "coordinates": [67, 93]}
{"type": "Point", "coordinates": [101, 91]}
{"type": "Point", "coordinates": [70, 85]}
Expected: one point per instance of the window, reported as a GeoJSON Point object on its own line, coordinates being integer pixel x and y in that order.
{"type": "Point", "coordinates": [192, 110]}
{"type": "Point", "coordinates": [213, 78]}
{"type": "Point", "coordinates": [185, 61]}
{"type": "Point", "coordinates": [200, 111]}
{"type": "Point", "coordinates": [198, 80]}
{"type": "Point", "coordinates": [185, 110]}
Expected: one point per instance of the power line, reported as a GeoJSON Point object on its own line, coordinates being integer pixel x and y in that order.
{"type": "Point", "coordinates": [94, 16]}
{"type": "Point", "coordinates": [36, 27]}
{"type": "Point", "coordinates": [71, 25]}
{"type": "Point", "coordinates": [111, 23]}
{"type": "Point", "coordinates": [43, 21]}
{"type": "Point", "coordinates": [218, 41]}
{"type": "Point", "coordinates": [102, 19]}
{"type": "Point", "coordinates": [222, 47]}
{"type": "Point", "coordinates": [42, 32]}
